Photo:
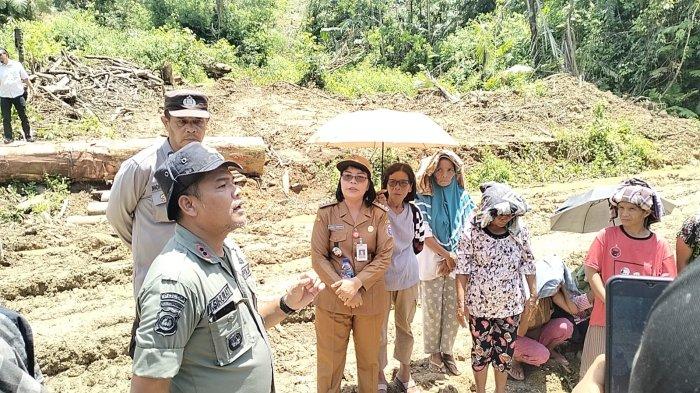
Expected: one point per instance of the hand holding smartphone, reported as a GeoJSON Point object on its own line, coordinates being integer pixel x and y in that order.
{"type": "Point", "coordinates": [628, 302]}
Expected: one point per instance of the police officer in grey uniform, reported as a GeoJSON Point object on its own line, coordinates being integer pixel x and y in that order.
{"type": "Point", "coordinates": [202, 326]}
{"type": "Point", "coordinates": [137, 205]}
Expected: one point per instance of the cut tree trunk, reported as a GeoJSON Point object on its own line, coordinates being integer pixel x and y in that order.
{"type": "Point", "coordinates": [96, 208]}
{"type": "Point", "coordinates": [86, 220]}
{"type": "Point", "coordinates": [99, 160]}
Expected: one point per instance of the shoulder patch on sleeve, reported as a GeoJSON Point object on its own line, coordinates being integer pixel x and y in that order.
{"type": "Point", "coordinates": [171, 306]}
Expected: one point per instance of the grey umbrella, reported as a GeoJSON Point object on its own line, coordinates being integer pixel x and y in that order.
{"type": "Point", "coordinates": [589, 212]}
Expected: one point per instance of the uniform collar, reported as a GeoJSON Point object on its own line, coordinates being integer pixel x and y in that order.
{"type": "Point", "coordinates": [165, 148]}
{"type": "Point", "coordinates": [196, 245]}
{"type": "Point", "coordinates": [344, 213]}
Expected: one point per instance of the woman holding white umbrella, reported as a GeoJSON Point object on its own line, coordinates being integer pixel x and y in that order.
{"type": "Point", "coordinates": [445, 206]}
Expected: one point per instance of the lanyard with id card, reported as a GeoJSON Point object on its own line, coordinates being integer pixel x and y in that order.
{"type": "Point", "coordinates": [361, 251]}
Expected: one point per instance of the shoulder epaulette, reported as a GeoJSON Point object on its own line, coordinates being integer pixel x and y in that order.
{"type": "Point", "coordinates": [327, 204]}
{"type": "Point", "coordinates": [379, 205]}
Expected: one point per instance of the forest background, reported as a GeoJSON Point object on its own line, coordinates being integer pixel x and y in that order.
{"type": "Point", "coordinates": [643, 49]}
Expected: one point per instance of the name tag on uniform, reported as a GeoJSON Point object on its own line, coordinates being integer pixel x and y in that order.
{"type": "Point", "coordinates": [245, 271]}
{"type": "Point", "coordinates": [336, 227]}
{"type": "Point", "coordinates": [157, 196]}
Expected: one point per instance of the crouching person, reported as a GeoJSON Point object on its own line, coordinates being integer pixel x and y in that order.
{"type": "Point", "coordinates": [202, 327]}
{"type": "Point", "coordinates": [19, 369]}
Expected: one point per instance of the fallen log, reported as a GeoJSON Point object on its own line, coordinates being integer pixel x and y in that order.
{"type": "Point", "coordinates": [86, 220]}
{"type": "Point", "coordinates": [96, 208]}
{"type": "Point", "coordinates": [99, 160]}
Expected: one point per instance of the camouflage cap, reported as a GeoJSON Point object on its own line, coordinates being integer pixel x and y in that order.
{"type": "Point", "coordinates": [184, 167]}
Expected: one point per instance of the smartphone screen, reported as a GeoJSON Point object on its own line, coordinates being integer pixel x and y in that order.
{"type": "Point", "coordinates": [629, 300]}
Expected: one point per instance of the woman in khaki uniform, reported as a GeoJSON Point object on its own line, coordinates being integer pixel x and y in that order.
{"type": "Point", "coordinates": [351, 248]}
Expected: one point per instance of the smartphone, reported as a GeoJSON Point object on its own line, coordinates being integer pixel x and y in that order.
{"type": "Point", "coordinates": [628, 302]}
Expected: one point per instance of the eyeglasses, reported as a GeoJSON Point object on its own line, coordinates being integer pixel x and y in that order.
{"type": "Point", "coordinates": [358, 178]}
{"type": "Point", "coordinates": [400, 183]}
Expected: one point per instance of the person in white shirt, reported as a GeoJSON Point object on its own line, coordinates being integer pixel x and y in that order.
{"type": "Point", "coordinates": [13, 78]}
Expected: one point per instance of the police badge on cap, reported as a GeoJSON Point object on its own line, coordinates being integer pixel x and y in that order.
{"type": "Point", "coordinates": [186, 103]}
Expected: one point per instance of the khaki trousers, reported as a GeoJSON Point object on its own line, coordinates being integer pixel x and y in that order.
{"type": "Point", "coordinates": [439, 305]}
{"type": "Point", "coordinates": [404, 301]}
{"type": "Point", "coordinates": [332, 336]}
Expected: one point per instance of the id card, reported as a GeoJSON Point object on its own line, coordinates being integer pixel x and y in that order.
{"type": "Point", "coordinates": [361, 252]}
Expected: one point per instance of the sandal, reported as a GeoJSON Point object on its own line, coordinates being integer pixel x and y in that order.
{"type": "Point", "coordinates": [516, 371]}
{"type": "Point", "coordinates": [435, 367]}
{"type": "Point", "coordinates": [382, 387]}
{"type": "Point", "coordinates": [408, 387]}
{"type": "Point", "coordinates": [450, 364]}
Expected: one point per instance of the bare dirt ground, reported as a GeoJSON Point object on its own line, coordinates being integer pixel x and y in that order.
{"type": "Point", "coordinates": [74, 282]}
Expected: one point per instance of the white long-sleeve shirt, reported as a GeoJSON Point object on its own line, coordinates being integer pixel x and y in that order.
{"type": "Point", "coordinates": [11, 76]}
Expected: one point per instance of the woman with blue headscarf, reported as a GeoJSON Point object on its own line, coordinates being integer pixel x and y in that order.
{"type": "Point", "coordinates": [445, 206]}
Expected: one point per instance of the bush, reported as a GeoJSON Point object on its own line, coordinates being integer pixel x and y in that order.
{"type": "Point", "coordinates": [78, 31]}
{"type": "Point", "coordinates": [33, 198]}
{"type": "Point", "coordinates": [392, 45]}
{"type": "Point", "coordinates": [607, 148]}
{"type": "Point", "coordinates": [295, 60]}
{"type": "Point", "coordinates": [490, 168]}
{"type": "Point", "coordinates": [123, 14]}
{"type": "Point", "coordinates": [364, 79]}
{"type": "Point", "coordinates": [246, 24]}
{"type": "Point", "coordinates": [489, 44]}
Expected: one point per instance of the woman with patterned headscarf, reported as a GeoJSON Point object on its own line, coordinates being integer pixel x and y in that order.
{"type": "Point", "coordinates": [629, 248]}
{"type": "Point", "coordinates": [688, 242]}
{"type": "Point", "coordinates": [494, 252]}
{"type": "Point", "coordinates": [445, 206]}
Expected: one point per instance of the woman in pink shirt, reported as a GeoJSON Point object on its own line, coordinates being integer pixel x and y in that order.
{"type": "Point", "coordinates": [630, 248]}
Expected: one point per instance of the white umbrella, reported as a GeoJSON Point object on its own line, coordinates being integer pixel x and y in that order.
{"type": "Point", "coordinates": [589, 212]}
{"type": "Point", "coordinates": [382, 127]}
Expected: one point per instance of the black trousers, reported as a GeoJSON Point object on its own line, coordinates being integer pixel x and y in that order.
{"type": "Point", "coordinates": [20, 103]}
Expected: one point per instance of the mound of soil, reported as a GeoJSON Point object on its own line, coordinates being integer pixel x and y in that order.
{"type": "Point", "coordinates": [74, 282]}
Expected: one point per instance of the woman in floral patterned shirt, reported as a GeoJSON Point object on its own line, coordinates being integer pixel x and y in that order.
{"type": "Point", "coordinates": [688, 242]}
{"type": "Point", "coordinates": [493, 254]}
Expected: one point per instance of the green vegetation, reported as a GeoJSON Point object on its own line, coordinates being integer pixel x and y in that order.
{"type": "Point", "coordinates": [365, 79]}
{"type": "Point", "coordinates": [32, 198]}
{"type": "Point", "coordinates": [649, 47]}
{"type": "Point", "coordinates": [490, 168]}
{"type": "Point", "coordinates": [78, 31]}
{"type": "Point", "coordinates": [605, 148]}
{"type": "Point", "coordinates": [245, 24]}
{"type": "Point", "coordinates": [641, 48]}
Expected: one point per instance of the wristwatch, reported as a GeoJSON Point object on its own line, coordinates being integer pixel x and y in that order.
{"type": "Point", "coordinates": [285, 308]}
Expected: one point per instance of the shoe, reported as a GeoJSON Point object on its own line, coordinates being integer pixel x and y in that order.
{"type": "Point", "coordinates": [435, 367]}
{"type": "Point", "coordinates": [30, 137]}
{"type": "Point", "coordinates": [408, 387]}
{"type": "Point", "coordinates": [7, 141]}
{"type": "Point", "coordinates": [450, 364]}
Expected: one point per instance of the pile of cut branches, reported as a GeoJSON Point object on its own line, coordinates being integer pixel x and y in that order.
{"type": "Point", "coordinates": [99, 86]}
